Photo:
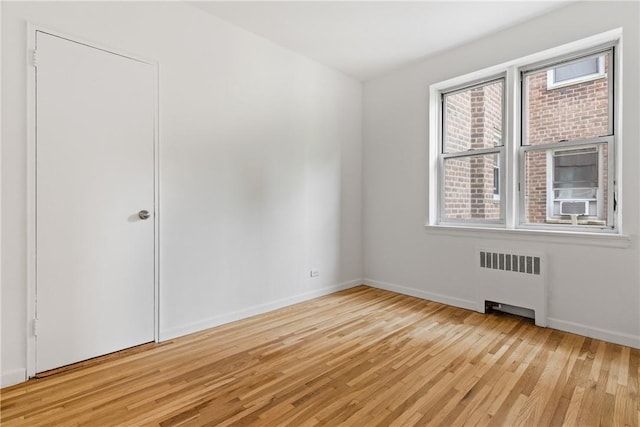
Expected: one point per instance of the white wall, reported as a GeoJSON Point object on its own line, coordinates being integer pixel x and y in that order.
{"type": "Point", "coordinates": [593, 290]}
{"type": "Point", "coordinates": [260, 164]}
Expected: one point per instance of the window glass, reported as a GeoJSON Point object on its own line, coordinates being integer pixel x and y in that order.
{"type": "Point", "coordinates": [469, 188]}
{"type": "Point", "coordinates": [576, 111]}
{"type": "Point", "coordinates": [575, 169]}
{"type": "Point", "coordinates": [583, 68]}
{"type": "Point", "coordinates": [559, 183]}
{"type": "Point", "coordinates": [473, 118]}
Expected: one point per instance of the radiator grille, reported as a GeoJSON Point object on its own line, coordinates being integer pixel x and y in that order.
{"type": "Point", "coordinates": [526, 264]}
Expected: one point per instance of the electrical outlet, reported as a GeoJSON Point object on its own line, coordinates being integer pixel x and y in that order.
{"type": "Point", "coordinates": [315, 273]}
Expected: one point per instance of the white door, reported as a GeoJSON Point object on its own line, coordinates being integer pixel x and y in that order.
{"type": "Point", "coordinates": [95, 119]}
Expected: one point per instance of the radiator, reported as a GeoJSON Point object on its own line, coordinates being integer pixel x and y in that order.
{"type": "Point", "coordinates": [513, 278]}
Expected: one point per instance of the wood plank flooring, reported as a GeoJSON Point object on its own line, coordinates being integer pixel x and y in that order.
{"type": "Point", "coordinates": [361, 357]}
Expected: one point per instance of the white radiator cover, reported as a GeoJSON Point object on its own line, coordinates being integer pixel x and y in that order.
{"type": "Point", "coordinates": [512, 277]}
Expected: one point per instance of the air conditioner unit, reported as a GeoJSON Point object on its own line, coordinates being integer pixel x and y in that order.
{"type": "Point", "coordinates": [574, 207]}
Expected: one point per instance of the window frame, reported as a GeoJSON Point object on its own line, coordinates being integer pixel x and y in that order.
{"type": "Point", "coordinates": [609, 139]}
{"type": "Point", "coordinates": [443, 156]}
{"type": "Point", "coordinates": [566, 145]}
{"type": "Point", "coordinates": [511, 161]}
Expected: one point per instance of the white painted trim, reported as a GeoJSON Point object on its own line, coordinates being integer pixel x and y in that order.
{"type": "Point", "coordinates": [31, 183]}
{"type": "Point", "coordinates": [594, 332]}
{"type": "Point", "coordinates": [31, 201]}
{"type": "Point", "coordinates": [255, 310]}
{"type": "Point", "coordinates": [533, 235]}
{"type": "Point", "coordinates": [16, 376]}
{"type": "Point", "coordinates": [91, 43]}
{"type": "Point", "coordinates": [431, 296]}
{"type": "Point", "coordinates": [511, 133]}
{"type": "Point", "coordinates": [615, 156]}
{"type": "Point", "coordinates": [2, 381]}
{"type": "Point", "coordinates": [434, 187]}
{"type": "Point", "coordinates": [156, 208]}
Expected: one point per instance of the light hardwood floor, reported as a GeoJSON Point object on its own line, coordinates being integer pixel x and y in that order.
{"type": "Point", "coordinates": [361, 357]}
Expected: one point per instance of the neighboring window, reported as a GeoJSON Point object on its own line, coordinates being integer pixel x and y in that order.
{"type": "Point", "coordinates": [576, 181]}
{"type": "Point", "coordinates": [563, 150]}
{"type": "Point", "coordinates": [576, 72]}
{"type": "Point", "coordinates": [575, 173]}
{"type": "Point", "coordinates": [471, 148]}
{"type": "Point", "coordinates": [567, 135]}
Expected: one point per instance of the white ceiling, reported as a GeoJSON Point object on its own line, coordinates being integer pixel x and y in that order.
{"type": "Point", "coordinates": [365, 39]}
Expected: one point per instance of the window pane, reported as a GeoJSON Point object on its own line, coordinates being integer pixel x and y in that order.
{"type": "Point", "coordinates": [575, 70]}
{"type": "Point", "coordinates": [575, 168]}
{"type": "Point", "coordinates": [576, 111]}
{"type": "Point", "coordinates": [561, 182]}
{"type": "Point", "coordinates": [469, 188]}
{"type": "Point", "coordinates": [473, 118]}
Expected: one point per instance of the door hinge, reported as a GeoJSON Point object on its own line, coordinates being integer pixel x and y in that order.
{"type": "Point", "coordinates": [36, 327]}
{"type": "Point", "coordinates": [34, 57]}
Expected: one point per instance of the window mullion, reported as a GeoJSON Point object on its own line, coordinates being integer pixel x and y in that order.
{"type": "Point", "coordinates": [512, 141]}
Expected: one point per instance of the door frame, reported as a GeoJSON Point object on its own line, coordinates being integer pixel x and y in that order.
{"type": "Point", "coordinates": [32, 190]}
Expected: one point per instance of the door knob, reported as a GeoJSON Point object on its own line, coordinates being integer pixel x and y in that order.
{"type": "Point", "coordinates": [144, 214]}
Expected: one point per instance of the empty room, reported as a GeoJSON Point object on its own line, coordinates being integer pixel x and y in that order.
{"type": "Point", "coordinates": [300, 213]}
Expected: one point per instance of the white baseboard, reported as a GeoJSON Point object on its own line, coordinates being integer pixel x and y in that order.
{"type": "Point", "coordinates": [252, 311]}
{"type": "Point", "coordinates": [431, 296]}
{"type": "Point", "coordinates": [562, 325]}
{"type": "Point", "coordinates": [13, 377]}
{"type": "Point", "coordinates": [594, 332]}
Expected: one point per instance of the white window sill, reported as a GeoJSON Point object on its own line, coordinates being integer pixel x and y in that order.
{"type": "Point", "coordinates": [542, 236]}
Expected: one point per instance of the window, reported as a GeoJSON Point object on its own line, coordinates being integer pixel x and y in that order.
{"type": "Point", "coordinates": [575, 174]}
{"type": "Point", "coordinates": [576, 72]}
{"type": "Point", "coordinates": [566, 137]}
{"type": "Point", "coordinates": [555, 170]}
{"type": "Point", "coordinates": [576, 183]}
{"type": "Point", "coordinates": [471, 151]}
